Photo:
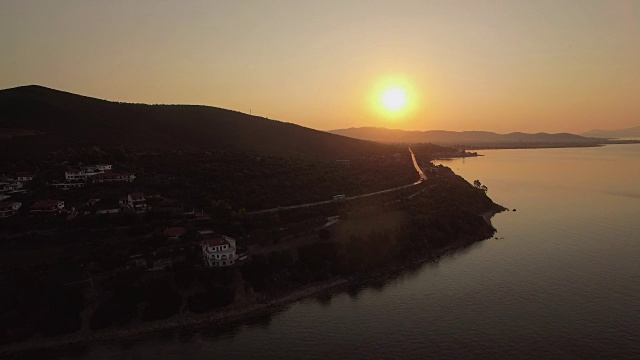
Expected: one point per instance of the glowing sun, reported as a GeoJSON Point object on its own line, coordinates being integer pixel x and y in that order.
{"type": "Point", "coordinates": [394, 99]}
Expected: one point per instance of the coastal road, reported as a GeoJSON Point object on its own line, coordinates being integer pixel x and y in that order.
{"type": "Point", "coordinates": [423, 177]}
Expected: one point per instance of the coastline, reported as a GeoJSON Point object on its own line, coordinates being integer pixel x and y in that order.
{"type": "Point", "coordinates": [239, 313]}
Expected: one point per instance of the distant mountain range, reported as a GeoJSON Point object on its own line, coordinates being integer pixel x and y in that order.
{"type": "Point", "coordinates": [632, 132]}
{"type": "Point", "coordinates": [468, 138]}
{"type": "Point", "coordinates": [35, 120]}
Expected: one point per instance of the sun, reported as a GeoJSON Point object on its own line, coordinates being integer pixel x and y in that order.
{"type": "Point", "coordinates": [394, 99]}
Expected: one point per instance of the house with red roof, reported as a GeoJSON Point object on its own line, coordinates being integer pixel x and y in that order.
{"type": "Point", "coordinates": [174, 233]}
{"type": "Point", "coordinates": [47, 207]}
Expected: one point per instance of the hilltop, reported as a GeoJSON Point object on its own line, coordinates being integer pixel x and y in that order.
{"type": "Point", "coordinates": [35, 120]}
{"type": "Point", "coordinates": [468, 138]}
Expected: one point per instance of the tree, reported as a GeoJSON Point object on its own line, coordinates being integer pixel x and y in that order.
{"type": "Point", "coordinates": [478, 185]}
{"type": "Point", "coordinates": [221, 211]}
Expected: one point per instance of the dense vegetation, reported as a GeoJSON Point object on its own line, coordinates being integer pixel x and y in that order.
{"type": "Point", "coordinates": [57, 120]}
{"type": "Point", "coordinates": [443, 214]}
{"type": "Point", "coordinates": [446, 214]}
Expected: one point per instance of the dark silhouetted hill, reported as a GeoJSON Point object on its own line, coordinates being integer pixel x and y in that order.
{"type": "Point", "coordinates": [36, 119]}
{"type": "Point", "coordinates": [632, 132]}
{"type": "Point", "coordinates": [466, 138]}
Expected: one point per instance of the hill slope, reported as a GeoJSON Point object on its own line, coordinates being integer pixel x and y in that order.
{"type": "Point", "coordinates": [56, 119]}
{"type": "Point", "coordinates": [632, 132]}
{"type": "Point", "coordinates": [468, 138]}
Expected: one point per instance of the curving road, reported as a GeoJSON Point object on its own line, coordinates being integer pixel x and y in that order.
{"type": "Point", "coordinates": [423, 177]}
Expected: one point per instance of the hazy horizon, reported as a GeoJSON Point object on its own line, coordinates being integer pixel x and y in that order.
{"type": "Point", "coordinates": [497, 66]}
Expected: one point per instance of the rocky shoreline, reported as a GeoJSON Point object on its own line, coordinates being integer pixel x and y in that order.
{"type": "Point", "coordinates": [238, 313]}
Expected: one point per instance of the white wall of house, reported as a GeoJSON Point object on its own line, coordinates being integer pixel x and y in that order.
{"type": "Point", "coordinates": [104, 167]}
{"type": "Point", "coordinates": [220, 255]}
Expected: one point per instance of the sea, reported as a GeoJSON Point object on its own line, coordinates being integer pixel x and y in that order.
{"type": "Point", "coordinates": [559, 280]}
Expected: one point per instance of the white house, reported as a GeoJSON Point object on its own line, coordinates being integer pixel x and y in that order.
{"type": "Point", "coordinates": [13, 186]}
{"type": "Point", "coordinates": [73, 174]}
{"type": "Point", "coordinates": [104, 167]}
{"type": "Point", "coordinates": [108, 211]}
{"type": "Point", "coordinates": [22, 177]}
{"type": "Point", "coordinates": [137, 202]}
{"type": "Point", "coordinates": [9, 208]}
{"type": "Point", "coordinates": [110, 176]}
{"type": "Point", "coordinates": [67, 186]}
{"type": "Point", "coordinates": [81, 174]}
{"type": "Point", "coordinates": [219, 251]}
{"type": "Point", "coordinates": [90, 171]}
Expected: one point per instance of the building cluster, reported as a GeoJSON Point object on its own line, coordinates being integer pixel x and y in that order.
{"type": "Point", "coordinates": [217, 250]}
{"type": "Point", "coordinates": [133, 203]}
{"type": "Point", "coordinates": [13, 184]}
{"type": "Point", "coordinates": [15, 187]}
{"type": "Point", "coordinates": [9, 186]}
{"type": "Point", "coordinates": [100, 173]}
{"type": "Point", "coordinates": [45, 207]}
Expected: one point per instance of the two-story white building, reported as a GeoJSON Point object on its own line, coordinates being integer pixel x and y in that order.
{"type": "Point", "coordinates": [219, 251]}
{"type": "Point", "coordinates": [86, 172]}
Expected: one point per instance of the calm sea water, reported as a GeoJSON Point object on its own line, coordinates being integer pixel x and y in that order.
{"type": "Point", "coordinates": [562, 280]}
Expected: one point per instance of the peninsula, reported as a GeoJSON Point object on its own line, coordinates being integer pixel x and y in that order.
{"type": "Point", "coordinates": [120, 219]}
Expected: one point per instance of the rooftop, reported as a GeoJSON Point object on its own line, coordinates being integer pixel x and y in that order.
{"type": "Point", "coordinates": [46, 204]}
{"type": "Point", "coordinates": [175, 231]}
{"type": "Point", "coordinates": [137, 196]}
{"type": "Point", "coordinates": [216, 241]}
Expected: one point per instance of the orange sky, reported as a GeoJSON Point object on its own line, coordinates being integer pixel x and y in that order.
{"type": "Point", "coordinates": [468, 65]}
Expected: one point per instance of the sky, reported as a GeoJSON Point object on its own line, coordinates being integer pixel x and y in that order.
{"type": "Point", "coordinates": [544, 65]}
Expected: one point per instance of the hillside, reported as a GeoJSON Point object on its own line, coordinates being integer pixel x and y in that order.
{"type": "Point", "coordinates": [35, 120]}
{"type": "Point", "coordinates": [632, 132]}
{"type": "Point", "coordinates": [467, 138]}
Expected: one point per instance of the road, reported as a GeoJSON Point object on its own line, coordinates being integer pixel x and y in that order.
{"type": "Point", "coordinates": [423, 177]}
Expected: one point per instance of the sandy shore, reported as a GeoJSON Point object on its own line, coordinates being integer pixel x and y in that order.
{"type": "Point", "coordinates": [235, 313]}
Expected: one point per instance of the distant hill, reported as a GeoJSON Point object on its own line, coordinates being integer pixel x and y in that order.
{"type": "Point", "coordinates": [36, 119]}
{"type": "Point", "coordinates": [632, 132]}
{"type": "Point", "coordinates": [466, 138]}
